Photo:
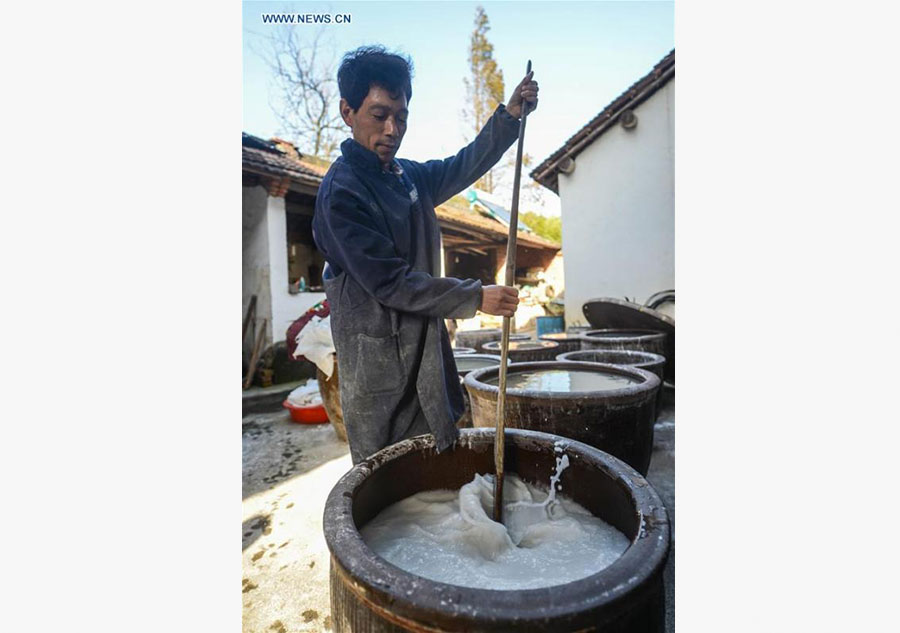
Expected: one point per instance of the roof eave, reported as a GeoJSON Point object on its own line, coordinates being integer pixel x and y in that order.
{"type": "Point", "coordinates": [266, 170]}
{"type": "Point", "coordinates": [547, 173]}
{"type": "Point", "coordinates": [524, 239]}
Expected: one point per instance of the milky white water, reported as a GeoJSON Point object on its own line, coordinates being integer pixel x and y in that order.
{"type": "Point", "coordinates": [448, 536]}
{"type": "Point", "coordinates": [563, 380]}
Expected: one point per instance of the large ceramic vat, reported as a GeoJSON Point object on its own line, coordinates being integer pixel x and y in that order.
{"type": "Point", "coordinates": [525, 351]}
{"type": "Point", "coordinates": [370, 595]}
{"type": "Point", "coordinates": [617, 418]}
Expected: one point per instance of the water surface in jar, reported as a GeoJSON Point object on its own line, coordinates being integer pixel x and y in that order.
{"type": "Point", "coordinates": [563, 380]}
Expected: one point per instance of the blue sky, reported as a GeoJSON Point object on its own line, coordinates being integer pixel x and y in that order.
{"type": "Point", "coordinates": [584, 54]}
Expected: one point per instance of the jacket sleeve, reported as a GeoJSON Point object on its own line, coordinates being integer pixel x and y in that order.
{"type": "Point", "coordinates": [445, 178]}
{"type": "Point", "coordinates": [351, 238]}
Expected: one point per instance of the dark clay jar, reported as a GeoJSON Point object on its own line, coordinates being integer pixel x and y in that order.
{"type": "Point", "coordinates": [526, 351]}
{"type": "Point", "coordinates": [654, 363]}
{"type": "Point", "coordinates": [476, 338]}
{"type": "Point", "coordinates": [568, 342]}
{"type": "Point", "coordinates": [464, 364]}
{"type": "Point", "coordinates": [618, 420]}
{"type": "Point", "coordinates": [369, 595]}
{"type": "Point", "coordinates": [625, 339]}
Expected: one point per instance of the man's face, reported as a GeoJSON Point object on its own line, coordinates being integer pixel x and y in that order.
{"type": "Point", "coordinates": [380, 122]}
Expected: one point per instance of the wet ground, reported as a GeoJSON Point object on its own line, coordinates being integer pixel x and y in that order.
{"type": "Point", "coordinates": [288, 471]}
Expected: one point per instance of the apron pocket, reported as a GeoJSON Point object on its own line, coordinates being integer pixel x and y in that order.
{"type": "Point", "coordinates": [378, 368]}
{"type": "Point", "coordinates": [356, 294]}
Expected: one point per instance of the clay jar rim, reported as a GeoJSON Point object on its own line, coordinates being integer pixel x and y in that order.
{"type": "Point", "coordinates": [534, 345]}
{"type": "Point", "coordinates": [462, 351]}
{"type": "Point", "coordinates": [644, 557]}
{"type": "Point", "coordinates": [480, 355]}
{"type": "Point", "coordinates": [648, 381]}
{"type": "Point", "coordinates": [649, 359]}
{"type": "Point", "coordinates": [464, 372]}
{"type": "Point", "coordinates": [628, 334]}
{"type": "Point", "coordinates": [556, 337]}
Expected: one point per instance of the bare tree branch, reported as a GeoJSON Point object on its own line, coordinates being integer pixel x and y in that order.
{"type": "Point", "coordinates": [304, 93]}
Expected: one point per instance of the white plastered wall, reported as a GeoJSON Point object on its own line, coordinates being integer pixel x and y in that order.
{"type": "Point", "coordinates": [255, 261]}
{"type": "Point", "coordinates": [286, 308]}
{"type": "Point", "coordinates": [618, 210]}
{"type": "Point", "coordinates": [265, 267]}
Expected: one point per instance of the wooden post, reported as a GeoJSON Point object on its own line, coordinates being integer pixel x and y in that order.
{"type": "Point", "coordinates": [257, 350]}
{"type": "Point", "coordinates": [251, 312]}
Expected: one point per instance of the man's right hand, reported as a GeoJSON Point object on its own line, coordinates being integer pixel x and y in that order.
{"type": "Point", "coordinates": [499, 300]}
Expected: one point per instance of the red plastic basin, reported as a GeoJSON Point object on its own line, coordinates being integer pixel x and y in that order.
{"type": "Point", "coordinates": [307, 415]}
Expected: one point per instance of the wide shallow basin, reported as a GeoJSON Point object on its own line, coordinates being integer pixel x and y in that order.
{"type": "Point", "coordinates": [369, 594]}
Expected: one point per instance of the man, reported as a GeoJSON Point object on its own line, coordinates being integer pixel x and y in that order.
{"type": "Point", "coordinates": [376, 226]}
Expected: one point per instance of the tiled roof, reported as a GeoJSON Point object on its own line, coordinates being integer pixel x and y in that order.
{"type": "Point", "coordinates": [264, 157]}
{"type": "Point", "coordinates": [483, 224]}
{"type": "Point", "coordinates": [547, 173]}
{"type": "Point", "coordinates": [261, 156]}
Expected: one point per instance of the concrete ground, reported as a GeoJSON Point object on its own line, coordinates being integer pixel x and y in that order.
{"type": "Point", "coordinates": [265, 399]}
{"type": "Point", "coordinates": [288, 471]}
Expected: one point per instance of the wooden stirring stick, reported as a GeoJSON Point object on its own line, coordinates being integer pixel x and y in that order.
{"type": "Point", "coordinates": [499, 443]}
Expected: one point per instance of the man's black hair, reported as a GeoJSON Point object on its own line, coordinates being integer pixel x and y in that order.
{"type": "Point", "coordinates": [369, 65]}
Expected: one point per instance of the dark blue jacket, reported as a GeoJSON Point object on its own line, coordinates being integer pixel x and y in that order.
{"type": "Point", "coordinates": [380, 236]}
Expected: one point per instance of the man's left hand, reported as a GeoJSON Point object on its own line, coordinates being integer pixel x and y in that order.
{"type": "Point", "coordinates": [527, 90]}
